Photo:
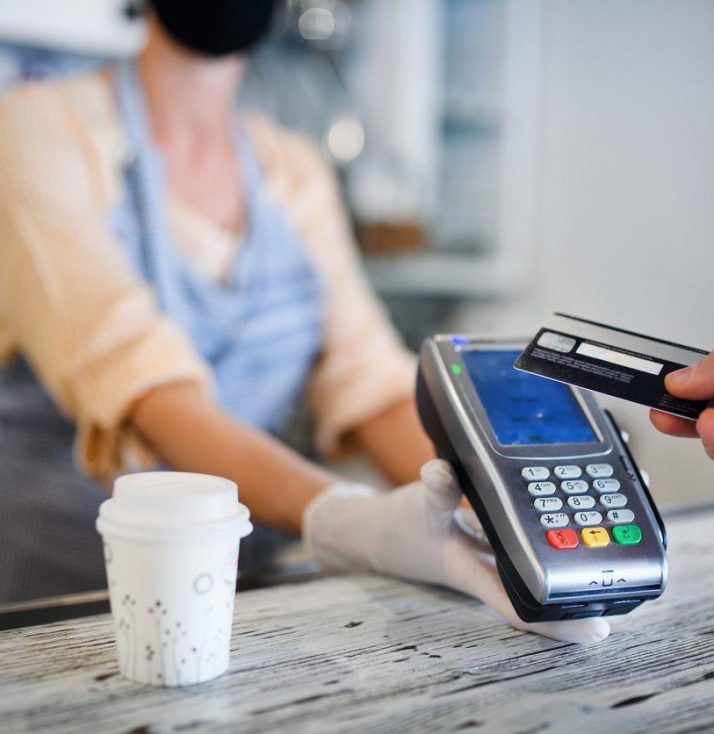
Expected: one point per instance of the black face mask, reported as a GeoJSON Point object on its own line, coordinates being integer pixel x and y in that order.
{"type": "Point", "coordinates": [215, 27]}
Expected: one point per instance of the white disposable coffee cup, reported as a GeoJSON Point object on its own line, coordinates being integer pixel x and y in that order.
{"type": "Point", "coordinates": [171, 543]}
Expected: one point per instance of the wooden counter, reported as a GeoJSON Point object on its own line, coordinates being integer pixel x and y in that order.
{"type": "Point", "coordinates": [371, 654]}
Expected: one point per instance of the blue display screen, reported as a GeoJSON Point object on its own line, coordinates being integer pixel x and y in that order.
{"type": "Point", "coordinates": [524, 409]}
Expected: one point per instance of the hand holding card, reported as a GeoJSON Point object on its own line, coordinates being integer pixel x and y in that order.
{"type": "Point", "coordinates": [691, 383]}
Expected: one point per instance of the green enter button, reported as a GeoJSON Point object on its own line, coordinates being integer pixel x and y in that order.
{"type": "Point", "coordinates": [627, 534]}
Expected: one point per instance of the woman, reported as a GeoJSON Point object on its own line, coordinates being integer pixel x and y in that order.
{"type": "Point", "coordinates": [173, 277]}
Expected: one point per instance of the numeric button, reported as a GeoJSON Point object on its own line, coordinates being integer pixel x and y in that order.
{"type": "Point", "coordinates": [535, 473]}
{"type": "Point", "coordinates": [548, 504]}
{"type": "Point", "coordinates": [606, 485]}
{"type": "Point", "coordinates": [585, 502]}
{"type": "Point", "coordinates": [599, 471]}
{"type": "Point", "coordinates": [567, 472]}
{"type": "Point", "coordinates": [613, 500]}
{"type": "Point", "coordinates": [576, 486]}
{"type": "Point", "coordinates": [588, 518]}
{"type": "Point", "coordinates": [541, 489]}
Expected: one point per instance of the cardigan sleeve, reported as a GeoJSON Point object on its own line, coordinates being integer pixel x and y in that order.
{"type": "Point", "coordinates": [70, 302]}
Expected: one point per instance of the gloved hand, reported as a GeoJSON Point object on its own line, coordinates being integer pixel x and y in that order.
{"type": "Point", "coordinates": [411, 532]}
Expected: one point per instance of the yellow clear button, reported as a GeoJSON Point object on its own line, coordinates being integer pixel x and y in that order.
{"type": "Point", "coordinates": [595, 537]}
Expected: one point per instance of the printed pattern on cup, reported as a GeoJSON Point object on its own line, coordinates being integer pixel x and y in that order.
{"type": "Point", "coordinates": [157, 641]}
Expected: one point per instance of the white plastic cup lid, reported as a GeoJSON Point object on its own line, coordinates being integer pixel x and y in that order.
{"type": "Point", "coordinates": [175, 501]}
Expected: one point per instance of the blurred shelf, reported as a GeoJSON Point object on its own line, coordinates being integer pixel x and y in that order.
{"type": "Point", "coordinates": [437, 275]}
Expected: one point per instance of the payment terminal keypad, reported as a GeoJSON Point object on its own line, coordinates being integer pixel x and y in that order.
{"type": "Point", "coordinates": [586, 497]}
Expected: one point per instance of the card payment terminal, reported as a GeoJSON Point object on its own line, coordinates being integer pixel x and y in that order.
{"type": "Point", "coordinates": [572, 524]}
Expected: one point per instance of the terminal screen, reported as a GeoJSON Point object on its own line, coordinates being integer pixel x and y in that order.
{"type": "Point", "coordinates": [524, 409]}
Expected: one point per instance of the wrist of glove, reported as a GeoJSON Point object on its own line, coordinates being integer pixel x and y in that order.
{"type": "Point", "coordinates": [412, 533]}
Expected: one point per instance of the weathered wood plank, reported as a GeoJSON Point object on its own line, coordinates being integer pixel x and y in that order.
{"type": "Point", "coordinates": [365, 653]}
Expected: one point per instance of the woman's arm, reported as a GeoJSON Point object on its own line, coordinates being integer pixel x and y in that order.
{"type": "Point", "coordinates": [396, 441]}
{"type": "Point", "coordinates": [191, 433]}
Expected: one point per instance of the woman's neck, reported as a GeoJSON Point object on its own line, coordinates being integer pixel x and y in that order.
{"type": "Point", "coordinates": [189, 96]}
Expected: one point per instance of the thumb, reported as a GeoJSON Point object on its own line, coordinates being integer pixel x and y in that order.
{"type": "Point", "coordinates": [443, 491]}
{"type": "Point", "coordinates": [693, 383]}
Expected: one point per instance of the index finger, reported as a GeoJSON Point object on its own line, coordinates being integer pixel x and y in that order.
{"type": "Point", "coordinates": [673, 425]}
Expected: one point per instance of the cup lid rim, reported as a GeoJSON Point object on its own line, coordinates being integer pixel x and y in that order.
{"type": "Point", "coordinates": [173, 499]}
{"type": "Point", "coordinates": [110, 521]}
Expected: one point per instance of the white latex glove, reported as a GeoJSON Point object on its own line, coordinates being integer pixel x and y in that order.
{"type": "Point", "coordinates": [411, 533]}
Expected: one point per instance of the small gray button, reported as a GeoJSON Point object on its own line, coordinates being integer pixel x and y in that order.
{"type": "Point", "coordinates": [535, 473]}
{"type": "Point", "coordinates": [548, 504]}
{"type": "Point", "coordinates": [541, 489]}
{"type": "Point", "coordinates": [584, 502]}
{"type": "Point", "coordinates": [606, 485]}
{"type": "Point", "coordinates": [621, 516]}
{"type": "Point", "coordinates": [588, 518]}
{"type": "Point", "coordinates": [613, 500]}
{"type": "Point", "coordinates": [599, 471]}
{"type": "Point", "coordinates": [575, 486]}
{"type": "Point", "coordinates": [554, 520]}
{"type": "Point", "coordinates": [567, 472]}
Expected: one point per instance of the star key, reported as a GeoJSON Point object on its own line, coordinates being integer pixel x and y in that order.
{"type": "Point", "coordinates": [554, 519]}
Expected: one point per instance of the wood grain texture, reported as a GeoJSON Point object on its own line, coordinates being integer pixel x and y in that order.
{"type": "Point", "coordinates": [371, 654]}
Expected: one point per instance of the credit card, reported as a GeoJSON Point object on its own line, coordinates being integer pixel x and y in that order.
{"type": "Point", "coordinates": [612, 361]}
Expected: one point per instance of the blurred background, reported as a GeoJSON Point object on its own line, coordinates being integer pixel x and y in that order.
{"type": "Point", "coordinates": [500, 159]}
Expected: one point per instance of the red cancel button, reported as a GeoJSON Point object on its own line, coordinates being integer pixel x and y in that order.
{"type": "Point", "coordinates": [562, 539]}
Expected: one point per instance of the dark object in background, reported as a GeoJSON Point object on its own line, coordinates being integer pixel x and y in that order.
{"type": "Point", "coordinates": [215, 27]}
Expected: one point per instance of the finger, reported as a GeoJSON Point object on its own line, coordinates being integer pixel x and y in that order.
{"type": "Point", "coordinates": [695, 382]}
{"type": "Point", "coordinates": [673, 425]}
{"type": "Point", "coordinates": [442, 490]}
{"type": "Point", "coordinates": [469, 517]}
{"type": "Point", "coordinates": [438, 474]}
{"type": "Point", "coordinates": [705, 428]}
{"type": "Point", "coordinates": [467, 522]}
